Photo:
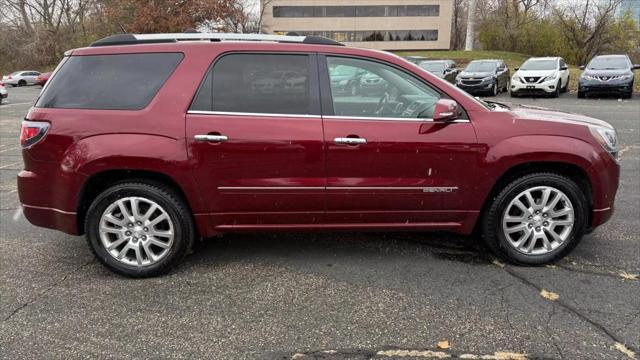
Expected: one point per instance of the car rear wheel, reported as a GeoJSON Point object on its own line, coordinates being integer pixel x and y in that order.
{"type": "Point", "coordinates": [581, 94]}
{"type": "Point", "coordinates": [22, 83]}
{"type": "Point", "coordinates": [557, 92]}
{"type": "Point", "coordinates": [536, 219]}
{"type": "Point", "coordinates": [139, 229]}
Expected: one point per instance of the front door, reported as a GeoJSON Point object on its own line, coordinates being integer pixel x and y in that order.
{"type": "Point", "coordinates": [387, 162]}
{"type": "Point", "coordinates": [254, 135]}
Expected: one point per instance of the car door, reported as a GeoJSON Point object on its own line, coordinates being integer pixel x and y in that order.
{"type": "Point", "coordinates": [385, 164]}
{"type": "Point", "coordinates": [564, 72]}
{"type": "Point", "coordinates": [254, 137]}
{"type": "Point", "coordinates": [31, 77]}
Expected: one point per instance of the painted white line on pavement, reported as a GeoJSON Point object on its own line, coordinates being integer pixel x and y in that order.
{"type": "Point", "coordinates": [6, 166]}
{"type": "Point", "coordinates": [10, 104]}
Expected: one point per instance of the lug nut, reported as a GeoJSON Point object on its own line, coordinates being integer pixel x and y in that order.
{"type": "Point", "coordinates": [146, 229]}
{"type": "Point", "coordinates": [130, 225]}
{"type": "Point", "coordinates": [546, 223]}
{"type": "Point", "coordinates": [128, 233]}
{"type": "Point", "coordinates": [545, 215]}
{"type": "Point", "coordinates": [530, 217]}
{"type": "Point", "coordinates": [537, 211]}
{"type": "Point", "coordinates": [530, 226]}
{"type": "Point", "coordinates": [135, 239]}
{"type": "Point", "coordinates": [144, 237]}
{"type": "Point", "coordinates": [538, 228]}
{"type": "Point", "coordinates": [139, 222]}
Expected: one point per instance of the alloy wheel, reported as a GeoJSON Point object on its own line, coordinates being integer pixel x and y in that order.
{"type": "Point", "coordinates": [538, 220]}
{"type": "Point", "coordinates": [136, 231]}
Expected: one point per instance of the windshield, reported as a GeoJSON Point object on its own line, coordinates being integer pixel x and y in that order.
{"type": "Point", "coordinates": [539, 65]}
{"type": "Point", "coordinates": [606, 63]}
{"type": "Point", "coordinates": [481, 66]}
{"type": "Point", "coordinates": [433, 67]}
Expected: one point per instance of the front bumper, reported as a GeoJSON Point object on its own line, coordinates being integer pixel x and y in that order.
{"type": "Point", "coordinates": [545, 87]}
{"type": "Point", "coordinates": [482, 87]}
{"type": "Point", "coordinates": [602, 87]}
{"type": "Point", "coordinates": [4, 95]}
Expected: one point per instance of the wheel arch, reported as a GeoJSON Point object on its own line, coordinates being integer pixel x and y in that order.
{"type": "Point", "coordinates": [570, 170]}
{"type": "Point", "coordinates": [100, 181]}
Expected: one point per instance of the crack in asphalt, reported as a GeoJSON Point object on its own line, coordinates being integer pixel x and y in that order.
{"type": "Point", "coordinates": [45, 291]}
{"type": "Point", "coordinates": [571, 309]}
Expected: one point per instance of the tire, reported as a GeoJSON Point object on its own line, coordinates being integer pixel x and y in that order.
{"type": "Point", "coordinates": [495, 237]}
{"type": "Point", "coordinates": [22, 83]}
{"type": "Point", "coordinates": [513, 94]}
{"type": "Point", "coordinates": [581, 94]}
{"type": "Point", "coordinates": [507, 85]}
{"type": "Point", "coordinates": [628, 95]}
{"type": "Point", "coordinates": [494, 89]}
{"type": "Point", "coordinates": [171, 207]}
{"type": "Point", "coordinates": [557, 92]}
{"type": "Point", "coordinates": [566, 87]}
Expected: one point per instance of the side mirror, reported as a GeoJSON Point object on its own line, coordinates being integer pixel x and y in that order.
{"type": "Point", "coordinates": [581, 67]}
{"type": "Point", "coordinates": [516, 69]}
{"type": "Point", "coordinates": [636, 66]}
{"type": "Point", "coordinates": [564, 68]}
{"type": "Point", "coordinates": [446, 110]}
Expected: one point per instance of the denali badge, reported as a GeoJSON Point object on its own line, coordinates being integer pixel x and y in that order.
{"type": "Point", "coordinates": [443, 189]}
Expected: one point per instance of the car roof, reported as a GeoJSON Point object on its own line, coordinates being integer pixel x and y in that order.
{"type": "Point", "coordinates": [544, 58]}
{"type": "Point", "coordinates": [612, 56]}
{"type": "Point", "coordinates": [487, 60]}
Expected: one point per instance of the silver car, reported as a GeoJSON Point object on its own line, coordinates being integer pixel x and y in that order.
{"type": "Point", "coordinates": [21, 78]}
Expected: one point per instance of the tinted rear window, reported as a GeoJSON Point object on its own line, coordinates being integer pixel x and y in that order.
{"type": "Point", "coordinates": [257, 83]}
{"type": "Point", "coordinates": [109, 82]}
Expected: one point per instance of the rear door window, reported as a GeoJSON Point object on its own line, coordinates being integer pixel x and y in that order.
{"type": "Point", "coordinates": [257, 83]}
{"type": "Point", "coordinates": [109, 82]}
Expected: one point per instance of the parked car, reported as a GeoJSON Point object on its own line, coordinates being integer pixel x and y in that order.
{"type": "Point", "coordinates": [484, 77]}
{"type": "Point", "coordinates": [607, 74]}
{"type": "Point", "coordinates": [179, 146]}
{"type": "Point", "coordinates": [3, 92]}
{"type": "Point", "coordinates": [345, 79]}
{"type": "Point", "coordinates": [445, 69]}
{"type": "Point", "coordinates": [21, 78]}
{"type": "Point", "coordinates": [541, 76]}
{"type": "Point", "coordinates": [43, 78]}
{"type": "Point", "coordinates": [415, 59]}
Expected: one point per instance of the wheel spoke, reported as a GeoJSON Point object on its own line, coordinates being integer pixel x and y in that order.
{"type": "Point", "coordinates": [560, 213]}
{"type": "Point", "coordinates": [149, 212]}
{"type": "Point", "coordinates": [512, 219]}
{"type": "Point", "coordinates": [545, 197]}
{"type": "Point", "coordinates": [110, 230]}
{"type": "Point", "coordinates": [555, 236]}
{"type": "Point", "coordinates": [530, 199]}
{"type": "Point", "coordinates": [554, 202]}
{"type": "Point", "coordinates": [136, 249]}
{"type": "Point", "coordinates": [520, 205]}
{"type": "Point", "coordinates": [159, 243]}
{"type": "Point", "coordinates": [562, 222]}
{"type": "Point", "coordinates": [148, 252]}
{"type": "Point", "coordinates": [517, 228]}
{"type": "Point", "coordinates": [135, 203]}
{"type": "Point", "coordinates": [116, 243]}
{"type": "Point", "coordinates": [124, 251]}
{"type": "Point", "coordinates": [112, 219]}
{"type": "Point", "coordinates": [545, 241]}
{"type": "Point", "coordinates": [158, 219]}
{"type": "Point", "coordinates": [124, 211]}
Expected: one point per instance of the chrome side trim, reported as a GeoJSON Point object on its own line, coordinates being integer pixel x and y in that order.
{"type": "Point", "coordinates": [232, 113]}
{"type": "Point", "coordinates": [334, 117]}
{"type": "Point", "coordinates": [428, 189]}
{"type": "Point", "coordinates": [271, 187]}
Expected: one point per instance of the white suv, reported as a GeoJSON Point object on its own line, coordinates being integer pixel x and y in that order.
{"type": "Point", "coordinates": [544, 75]}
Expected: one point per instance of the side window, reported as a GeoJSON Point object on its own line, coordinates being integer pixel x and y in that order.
{"type": "Point", "coordinates": [109, 82]}
{"type": "Point", "coordinates": [257, 83]}
{"type": "Point", "coordinates": [366, 88]}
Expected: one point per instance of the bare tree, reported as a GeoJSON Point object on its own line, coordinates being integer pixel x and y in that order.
{"type": "Point", "coordinates": [471, 26]}
{"type": "Point", "coordinates": [585, 25]}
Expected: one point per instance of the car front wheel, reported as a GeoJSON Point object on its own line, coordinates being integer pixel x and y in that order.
{"type": "Point", "coordinates": [536, 219]}
{"type": "Point", "coordinates": [139, 229]}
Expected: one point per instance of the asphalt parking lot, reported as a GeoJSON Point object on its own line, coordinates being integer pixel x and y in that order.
{"type": "Point", "coordinates": [327, 295]}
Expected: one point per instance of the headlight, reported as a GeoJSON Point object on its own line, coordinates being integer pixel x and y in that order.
{"type": "Point", "coordinates": [487, 78]}
{"type": "Point", "coordinates": [551, 77]}
{"type": "Point", "coordinates": [516, 78]}
{"type": "Point", "coordinates": [626, 77]}
{"type": "Point", "coordinates": [607, 137]}
{"type": "Point", "coordinates": [458, 79]}
{"type": "Point", "coordinates": [343, 82]}
{"type": "Point", "coordinates": [587, 77]}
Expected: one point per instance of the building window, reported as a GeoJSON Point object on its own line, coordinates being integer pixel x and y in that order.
{"type": "Point", "coordinates": [355, 11]}
{"type": "Point", "coordinates": [372, 35]}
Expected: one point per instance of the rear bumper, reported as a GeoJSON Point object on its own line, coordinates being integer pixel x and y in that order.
{"type": "Point", "coordinates": [47, 208]}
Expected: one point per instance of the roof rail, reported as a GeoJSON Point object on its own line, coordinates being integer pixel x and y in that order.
{"type": "Point", "coordinates": [133, 39]}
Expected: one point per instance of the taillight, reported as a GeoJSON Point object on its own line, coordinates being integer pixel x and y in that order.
{"type": "Point", "coordinates": [32, 132]}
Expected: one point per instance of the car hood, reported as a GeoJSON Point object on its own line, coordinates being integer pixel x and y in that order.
{"type": "Point", "coordinates": [534, 73]}
{"type": "Point", "coordinates": [528, 112]}
{"type": "Point", "coordinates": [608, 72]}
{"type": "Point", "coordinates": [477, 75]}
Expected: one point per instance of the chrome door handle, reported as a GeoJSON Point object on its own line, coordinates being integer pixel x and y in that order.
{"type": "Point", "coordinates": [350, 141]}
{"type": "Point", "coordinates": [211, 138]}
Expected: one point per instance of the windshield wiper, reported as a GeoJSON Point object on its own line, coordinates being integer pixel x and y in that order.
{"type": "Point", "coordinates": [494, 104]}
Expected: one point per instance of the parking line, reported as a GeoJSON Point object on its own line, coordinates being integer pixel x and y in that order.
{"type": "Point", "coordinates": [13, 148]}
{"type": "Point", "coordinates": [6, 166]}
{"type": "Point", "coordinates": [23, 103]}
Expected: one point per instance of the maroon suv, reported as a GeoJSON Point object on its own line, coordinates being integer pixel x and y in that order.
{"type": "Point", "coordinates": [147, 142]}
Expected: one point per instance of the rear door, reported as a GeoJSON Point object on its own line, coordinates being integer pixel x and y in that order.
{"type": "Point", "coordinates": [254, 135]}
{"type": "Point", "coordinates": [388, 162]}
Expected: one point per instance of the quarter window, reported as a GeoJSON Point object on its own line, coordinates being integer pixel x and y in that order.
{"type": "Point", "coordinates": [109, 82]}
{"type": "Point", "coordinates": [257, 83]}
{"type": "Point", "coordinates": [366, 88]}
